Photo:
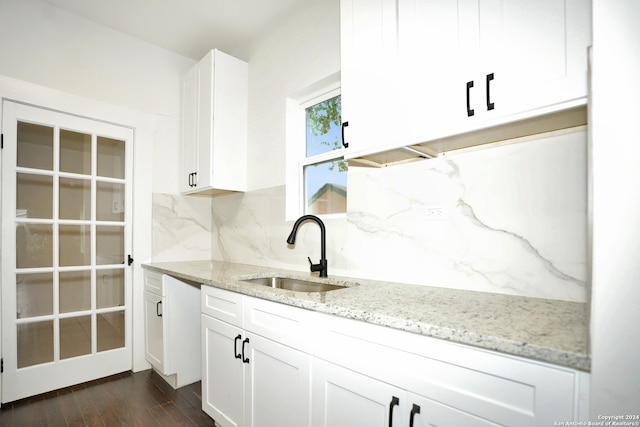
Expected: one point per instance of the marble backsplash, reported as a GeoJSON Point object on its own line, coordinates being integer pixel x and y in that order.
{"type": "Point", "coordinates": [509, 219]}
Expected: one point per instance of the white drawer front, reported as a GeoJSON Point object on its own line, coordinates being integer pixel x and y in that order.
{"type": "Point", "coordinates": [278, 322]}
{"type": "Point", "coordinates": [153, 282]}
{"type": "Point", "coordinates": [222, 305]}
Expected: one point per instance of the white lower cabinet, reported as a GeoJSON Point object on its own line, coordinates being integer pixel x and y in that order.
{"type": "Point", "coordinates": [249, 379]}
{"type": "Point", "coordinates": [172, 345]}
{"type": "Point", "coordinates": [272, 365]}
{"type": "Point", "coordinates": [344, 398]}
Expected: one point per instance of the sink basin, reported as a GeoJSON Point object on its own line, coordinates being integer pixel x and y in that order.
{"type": "Point", "coordinates": [296, 285]}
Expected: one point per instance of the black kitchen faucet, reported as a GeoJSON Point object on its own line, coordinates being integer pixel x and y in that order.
{"type": "Point", "coordinates": [322, 266]}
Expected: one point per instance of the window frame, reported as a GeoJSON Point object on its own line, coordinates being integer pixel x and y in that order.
{"type": "Point", "coordinates": [296, 158]}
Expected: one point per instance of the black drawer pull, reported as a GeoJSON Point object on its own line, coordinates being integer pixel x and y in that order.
{"type": "Point", "coordinates": [470, 111]}
{"type": "Point", "coordinates": [490, 105]}
{"type": "Point", "coordinates": [235, 347]}
{"type": "Point", "coordinates": [244, 359]}
{"type": "Point", "coordinates": [344, 144]}
{"type": "Point", "coordinates": [158, 312]}
{"type": "Point", "coordinates": [394, 402]}
{"type": "Point", "coordinates": [415, 410]}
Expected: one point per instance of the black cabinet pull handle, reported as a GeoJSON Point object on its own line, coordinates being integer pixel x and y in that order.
{"type": "Point", "coordinates": [394, 402]}
{"type": "Point", "coordinates": [235, 347]}
{"type": "Point", "coordinates": [415, 410]}
{"type": "Point", "coordinates": [244, 359]}
{"type": "Point", "coordinates": [490, 105]}
{"type": "Point", "coordinates": [470, 111]}
{"type": "Point", "coordinates": [344, 144]}
{"type": "Point", "coordinates": [192, 179]}
{"type": "Point", "coordinates": [158, 313]}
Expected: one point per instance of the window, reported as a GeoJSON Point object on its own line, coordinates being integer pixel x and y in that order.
{"type": "Point", "coordinates": [317, 171]}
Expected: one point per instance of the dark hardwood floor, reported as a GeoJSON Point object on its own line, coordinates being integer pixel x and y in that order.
{"type": "Point", "coordinates": [127, 399]}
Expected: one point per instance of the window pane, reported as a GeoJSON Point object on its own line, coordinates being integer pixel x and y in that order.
{"type": "Point", "coordinates": [110, 288]}
{"type": "Point", "coordinates": [110, 330]}
{"type": "Point", "coordinates": [110, 157]}
{"type": "Point", "coordinates": [323, 124]}
{"type": "Point", "coordinates": [326, 187]}
{"type": "Point", "coordinates": [75, 198]}
{"type": "Point", "coordinates": [109, 201]}
{"type": "Point", "coordinates": [75, 245]}
{"type": "Point", "coordinates": [75, 336]}
{"type": "Point", "coordinates": [75, 291]}
{"type": "Point", "coordinates": [109, 245]}
{"type": "Point", "coordinates": [35, 146]}
{"type": "Point", "coordinates": [75, 152]}
{"type": "Point", "coordinates": [34, 295]}
{"type": "Point", "coordinates": [34, 196]}
{"type": "Point", "coordinates": [35, 343]}
{"type": "Point", "coordinates": [34, 245]}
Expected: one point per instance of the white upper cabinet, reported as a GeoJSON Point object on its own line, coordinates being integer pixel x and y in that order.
{"type": "Point", "coordinates": [214, 125]}
{"type": "Point", "coordinates": [457, 67]}
{"type": "Point", "coordinates": [369, 64]}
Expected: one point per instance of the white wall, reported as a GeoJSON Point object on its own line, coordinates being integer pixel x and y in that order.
{"type": "Point", "coordinates": [54, 59]}
{"type": "Point", "coordinates": [295, 53]}
{"type": "Point", "coordinates": [615, 328]}
{"type": "Point", "coordinates": [48, 46]}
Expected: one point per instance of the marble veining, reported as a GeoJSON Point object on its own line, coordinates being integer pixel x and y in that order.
{"type": "Point", "coordinates": [547, 330]}
{"type": "Point", "coordinates": [514, 222]}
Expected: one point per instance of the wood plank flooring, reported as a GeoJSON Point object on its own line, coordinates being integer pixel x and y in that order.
{"type": "Point", "coordinates": [127, 399]}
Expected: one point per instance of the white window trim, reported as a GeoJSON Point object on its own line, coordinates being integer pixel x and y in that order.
{"type": "Point", "coordinates": [295, 143]}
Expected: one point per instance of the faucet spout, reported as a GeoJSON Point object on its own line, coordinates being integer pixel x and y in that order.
{"type": "Point", "coordinates": [322, 266]}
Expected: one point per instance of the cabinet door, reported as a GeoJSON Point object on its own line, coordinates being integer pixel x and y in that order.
{"type": "Point", "coordinates": [344, 398]}
{"type": "Point", "coordinates": [369, 63]}
{"type": "Point", "coordinates": [189, 131]}
{"type": "Point", "coordinates": [222, 372]}
{"type": "Point", "coordinates": [430, 69]}
{"type": "Point", "coordinates": [277, 386]}
{"type": "Point", "coordinates": [528, 55]}
{"type": "Point", "coordinates": [154, 330]}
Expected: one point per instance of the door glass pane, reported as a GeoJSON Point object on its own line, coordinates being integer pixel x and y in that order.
{"type": "Point", "coordinates": [34, 196]}
{"type": "Point", "coordinates": [75, 198]}
{"type": "Point", "coordinates": [110, 288]}
{"type": "Point", "coordinates": [75, 336]}
{"type": "Point", "coordinates": [75, 152]}
{"type": "Point", "coordinates": [109, 245]}
{"type": "Point", "coordinates": [75, 291]}
{"type": "Point", "coordinates": [34, 245]}
{"type": "Point", "coordinates": [34, 295]}
{"type": "Point", "coordinates": [326, 187]}
{"type": "Point", "coordinates": [35, 146]}
{"type": "Point", "coordinates": [75, 244]}
{"type": "Point", "coordinates": [110, 158]}
{"type": "Point", "coordinates": [110, 330]}
{"type": "Point", "coordinates": [110, 201]}
{"type": "Point", "coordinates": [35, 343]}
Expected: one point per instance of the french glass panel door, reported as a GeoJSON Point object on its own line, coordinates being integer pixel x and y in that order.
{"type": "Point", "coordinates": [66, 285]}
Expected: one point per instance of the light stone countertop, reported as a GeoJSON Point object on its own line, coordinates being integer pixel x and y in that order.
{"type": "Point", "coordinates": [547, 330]}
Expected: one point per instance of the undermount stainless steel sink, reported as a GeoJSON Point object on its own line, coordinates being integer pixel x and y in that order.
{"type": "Point", "coordinates": [296, 285]}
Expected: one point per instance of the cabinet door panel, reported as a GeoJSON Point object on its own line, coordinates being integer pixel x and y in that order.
{"type": "Point", "coordinates": [343, 398]}
{"type": "Point", "coordinates": [537, 51]}
{"type": "Point", "coordinates": [277, 387]}
{"type": "Point", "coordinates": [154, 330]}
{"type": "Point", "coordinates": [369, 60]}
{"type": "Point", "coordinates": [431, 71]}
{"type": "Point", "coordinates": [222, 372]}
